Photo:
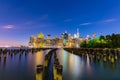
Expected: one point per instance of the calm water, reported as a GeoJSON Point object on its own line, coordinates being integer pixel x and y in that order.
{"type": "Point", "coordinates": [23, 67]}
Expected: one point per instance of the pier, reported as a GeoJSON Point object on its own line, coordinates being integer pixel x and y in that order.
{"type": "Point", "coordinates": [106, 54]}
{"type": "Point", "coordinates": [53, 60]}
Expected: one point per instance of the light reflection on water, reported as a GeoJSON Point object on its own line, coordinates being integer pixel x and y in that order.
{"type": "Point", "coordinates": [23, 67]}
{"type": "Point", "coordinates": [71, 63]}
{"type": "Point", "coordinates": [87, 68]}
{"type": "Point", "coordinates": [88, 65]}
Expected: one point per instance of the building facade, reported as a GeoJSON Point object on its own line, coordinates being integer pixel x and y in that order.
{"type": "Point", "coordinates": [65, 40]}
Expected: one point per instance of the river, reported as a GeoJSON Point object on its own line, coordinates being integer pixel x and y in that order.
{"type": "Point", "coordinates": [23, 67]}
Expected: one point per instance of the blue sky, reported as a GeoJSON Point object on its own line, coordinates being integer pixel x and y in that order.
{"type": "Point", "coordinates": [21, 18]}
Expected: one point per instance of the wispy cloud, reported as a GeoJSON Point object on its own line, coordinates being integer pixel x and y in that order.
{"type": "Point", "coordinates": [45, 25]}
{"type": "Point", "coordinates": [8, 26]}
{"type": "Point", "coordinates": [109, 20]}
{"type": "Point", "coordinates": [99, 22]}
{"type": "Point", "coordinates": [68, 20]}
{"type": "Point", "coordinates": [43, 17]}
{"type": "Point", "coordinates": [85, 24]}
{"type": "Point", "coordinates": [29, 22]}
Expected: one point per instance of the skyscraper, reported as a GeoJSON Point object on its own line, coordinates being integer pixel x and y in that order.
{"type": "Point", "coordinates": [94, 35]}
{"type": "Point", "coordinates": [48, 36]}
{"type": "Point", "coordinates": [32, 41]}
{"type": "Point", "coordinates": [78, 33]}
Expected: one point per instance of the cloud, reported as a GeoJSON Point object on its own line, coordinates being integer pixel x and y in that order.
{"type": "Point", "coordinates": [29, 22]}
{"type": "Point", "coordinates": [109, 20]}
{"type": "Point", "coordinates": [45, 25]}
{"type": "Point", "coordinates": [103, 21]}
{"type": "Point", "coordinates": [85, 24]}
{"type": "Point", "coordinates": [43, 17]}
{"type": "Point", "coordinates": [8, 26]}
{"type": "Point", "coordinates": [68, 20]}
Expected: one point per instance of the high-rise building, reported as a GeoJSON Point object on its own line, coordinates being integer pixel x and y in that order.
{"type": "Point", "coordinates": [32, 42]}
{"type": "Point", "coordinates": [62, 36]}
{"type": "Point", "coordinates": [48, 36]}
{"type": "Point", "coordinates": [75, 36]}
{"type": "Point", "coordinates": [32, 39]}
{"type": "Point", "coordinates": [48, 41]}
{"type": "Point", "coordinates": [40, 40]}
{"type": "Point", "coordinates": [78, 33]}
{"type": "Point", "coordinates": [40, 37]}
{"type": "Point", "coordinates": [94, 35]}
{"type": "Point", "coordinates": [88, 38]}
{"type": "Point", "coordinates": [65, 40]}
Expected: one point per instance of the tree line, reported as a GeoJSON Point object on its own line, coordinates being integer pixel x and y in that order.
{"type": "Point", "coordinates": [108, 41]}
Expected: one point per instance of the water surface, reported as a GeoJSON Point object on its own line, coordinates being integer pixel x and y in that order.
{"type": "Point", "coordinates": [23, 67]}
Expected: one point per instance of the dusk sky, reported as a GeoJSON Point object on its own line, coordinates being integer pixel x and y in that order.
{"type": "Point", "coordinates": [21, 18]}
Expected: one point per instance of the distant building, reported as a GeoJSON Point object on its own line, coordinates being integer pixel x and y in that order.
{"type": "Point", "coordinates": [65, 40]}
{"type": "Point", "coordinates": [87, 38]}
{"type": "Point", "coordinates": [40, 40]}
{"type": "Point", "coordinates": [77, 35]}
{"type": "Point", "coordinates": [48, 41]}
{"type": "Point", "coordinates": [94, 35]}
{"type": "Point", "coordinates": [36, 42]}
{"type": "Point", "coordinates": [32, 42]}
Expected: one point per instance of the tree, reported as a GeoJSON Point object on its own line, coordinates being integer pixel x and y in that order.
{"type": "Point", "coordinates": [83, 44]}
{"type": "Point", "coordinates": [108, 41]}
{"type": "Point", "coordinates": [102, 37]}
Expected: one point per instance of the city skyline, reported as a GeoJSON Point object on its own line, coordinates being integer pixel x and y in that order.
{"type": "Point", "coordinates": [20, 19]}
{"type": "Point", "coordinates": [64, 40]}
